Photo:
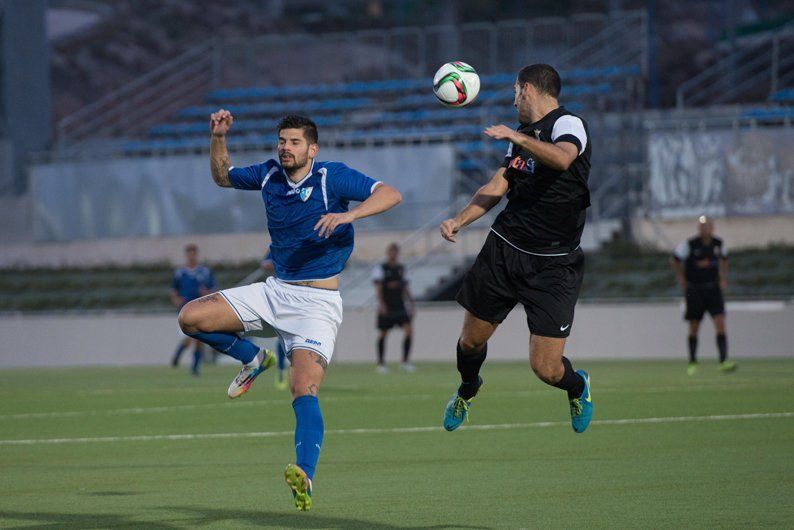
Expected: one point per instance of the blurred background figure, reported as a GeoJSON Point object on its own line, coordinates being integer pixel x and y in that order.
{"type": "Point", "coordinates": [191, 281]}
{"type": "Point", "coordinates": [392, 292]}
{"type": "Point", "coordinates": [267, 267]}
{"type": "Point", "coordinates": [701, 267]}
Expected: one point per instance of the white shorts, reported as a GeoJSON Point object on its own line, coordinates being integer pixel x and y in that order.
{"type": "Point", "coordinates": [303, 317]}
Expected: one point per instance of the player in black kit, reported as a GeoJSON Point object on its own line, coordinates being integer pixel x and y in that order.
{"type": "Point", "coordinates": [532, 255]}
{"type": "Point", "coordinates": [703, 277]}
{"type": "Point", "coordinates": [391, 290]}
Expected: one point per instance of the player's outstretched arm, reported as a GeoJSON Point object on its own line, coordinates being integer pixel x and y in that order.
{"type": "Point", "coordinates": [483, 200]}
{"type": "Point", "coordinates": [220, 161]}
{"type": "Point", "coordinates": [557, 156]}
{"type": "Point", "coordinates": [383, 198]}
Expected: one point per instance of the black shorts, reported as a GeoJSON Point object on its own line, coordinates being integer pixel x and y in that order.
{"type": "Point", "coordinates": [702, 299]}
{"type": "Point", "coordinates": [393, 318]}
{"type": "Point", "coordinates": [547, 286]}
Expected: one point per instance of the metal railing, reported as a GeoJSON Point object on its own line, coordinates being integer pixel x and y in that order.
{"type": "Point", "coordinates": [752, 71]}
{"type": "Point", "coordinates": [148, 99]}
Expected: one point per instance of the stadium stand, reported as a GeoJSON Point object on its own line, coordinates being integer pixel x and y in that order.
{"type": "Point", "coordinates": [386, 110]}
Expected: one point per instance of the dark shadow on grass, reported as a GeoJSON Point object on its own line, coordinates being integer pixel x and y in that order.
{"type": "Point", "coordinates": [110, 493]}
{"type": "Point", "coordinates": [74, 521]}
{"type": "Point", "coordinates": [206, 516]}
{"type": "Point", "coordinates": [314, 519]}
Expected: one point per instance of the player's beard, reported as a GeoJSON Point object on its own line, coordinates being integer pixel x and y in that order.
{"type": "Point", "coordinates": [293, 163]}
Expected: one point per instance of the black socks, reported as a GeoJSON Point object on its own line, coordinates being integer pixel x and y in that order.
{"type": "Point", "coordinates": [693, 348]}
{"type": "Point", "coordinates": [469, 365]}
{"type": "Point", "coordinates": [381, 350]}
{"type": "Point", "coordinates": [722, 346]}
{"type": "Point", "coordinates": [571, 381]}
{"type": "Point", "coordinates": [406, 348]}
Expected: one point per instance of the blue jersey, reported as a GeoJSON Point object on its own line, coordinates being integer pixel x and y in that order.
{"type": "Point", "coordinates": [189, 282]}
{"type": "Point", "coordinates": [293, 210]}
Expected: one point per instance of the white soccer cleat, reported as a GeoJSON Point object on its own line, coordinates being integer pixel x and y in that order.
{"type": "Point", "coordinates": [247, 374]}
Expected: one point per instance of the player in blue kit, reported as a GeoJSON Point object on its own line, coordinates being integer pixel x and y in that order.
{"type": "Point", "coordinates": [309, 220]}
{"type": "Point", "coordinates": [190, 282]}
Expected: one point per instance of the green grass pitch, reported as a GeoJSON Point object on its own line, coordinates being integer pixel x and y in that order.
{"type": "Point", "coordinates": [95, 448]}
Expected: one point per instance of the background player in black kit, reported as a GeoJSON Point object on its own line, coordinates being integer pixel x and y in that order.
{"type": "Point", "coordinates": [391, 290]}
{"type": "Point", "coordinates": [701, 267]}
{"type": "Point", "coordinates": [532, 255]}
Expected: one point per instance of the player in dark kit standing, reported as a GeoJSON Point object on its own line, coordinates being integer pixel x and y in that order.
{"type": "Point", "coordinates": [703, 277]}
{"type": "Point", "coordinates": [391, 290]}
{"type": "Point", "coordinates": [532, 255]}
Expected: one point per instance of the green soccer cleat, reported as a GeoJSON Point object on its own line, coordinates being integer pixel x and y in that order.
{"type": "Point", "coordinates": [728, 366]}
{"type": "Point", "coordinates": [246, 376]}
{"type": "Point", "coordinates": [692, 369]}
{"type": "Point", "coordinates": [300, 485]}
{"type": "Point", "coordinates": [582, 407]}
{"type": "Point", "coordinates": [457, 409]}
{"type": "Point", "coordinates": [281, 382]}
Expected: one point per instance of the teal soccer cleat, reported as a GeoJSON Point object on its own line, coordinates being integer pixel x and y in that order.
{"type": "Point", "coordinates": [457, 409]}
{"type": "Point", "coordinates": [582, 407]}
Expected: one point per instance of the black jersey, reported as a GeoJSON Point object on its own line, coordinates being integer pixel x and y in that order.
{"type": "Point", "coordinates": [545, 212]}
{"type": "Point", "coordinates": [392, 284]}
{"type": "Point", "coordinates": [701, 260]}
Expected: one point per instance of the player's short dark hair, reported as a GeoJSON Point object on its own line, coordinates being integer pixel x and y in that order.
{"type": "Point", "coordinates": [293, 121]}
{"type": "Point", "coordinates": [191, 247]}
{"type": "Point", "coordinates": [543, 77]}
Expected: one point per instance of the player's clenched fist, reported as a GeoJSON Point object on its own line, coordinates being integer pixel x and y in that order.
{"type": "Point", "coordinates": [449, 228]}
{"type": "Point", "coordinates": [221, 122]}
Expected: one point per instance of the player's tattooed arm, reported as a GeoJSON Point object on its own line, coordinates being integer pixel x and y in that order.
{"type": "Point", "coordinates": [220, 161]}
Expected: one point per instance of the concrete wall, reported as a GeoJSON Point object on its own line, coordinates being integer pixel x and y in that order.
{"type": "Point", "coordinates": [226, 248]}
{"type": "Point", "coordinates": [737, 232]}
{"type": "Point", "coordinates": [608, 331]}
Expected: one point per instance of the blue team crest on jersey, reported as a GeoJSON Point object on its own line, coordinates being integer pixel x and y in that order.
{"type": "Point", "coordinates": [306, 193]}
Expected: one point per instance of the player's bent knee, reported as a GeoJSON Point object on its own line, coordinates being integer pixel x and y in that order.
{"type": "Point", "coordinates": [471, 345]}
{"type": "Point", "coordinates": [191, 319]}
{"type": "Point", "coordinates": [185, 320]}
{"type": "Point", "coordinates": [546, 371]}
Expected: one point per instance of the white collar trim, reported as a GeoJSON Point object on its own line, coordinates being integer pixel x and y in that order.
{"type": "Point", "coordinates": [294, 185]}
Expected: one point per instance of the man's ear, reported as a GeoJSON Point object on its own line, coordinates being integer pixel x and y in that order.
{"type": "Point", "coordinates": [313, 148]}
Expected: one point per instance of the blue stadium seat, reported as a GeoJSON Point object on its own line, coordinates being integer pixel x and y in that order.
{"type": "Point", "coordinates": [783, 96]}
{"type": "Point", "coordinates": [771, 113]}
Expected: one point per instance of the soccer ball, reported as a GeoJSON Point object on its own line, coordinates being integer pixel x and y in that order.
{"type": "Point", "coordinates": [456, 84]}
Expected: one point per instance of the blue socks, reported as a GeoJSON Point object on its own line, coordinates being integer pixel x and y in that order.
{"type": "Point", "coordinates": [197, 354]}
{"type": "Point", "coordinates": [309, 430]}
{"type": "Point", "coordinates": [230, 344]}
{"type": "Point", "coordinates": [281, 355]}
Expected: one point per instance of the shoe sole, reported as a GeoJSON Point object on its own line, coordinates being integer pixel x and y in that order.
{"type": "Point", "coordinates": [298, 483]}
{"type": "Point", "coordinates": [270, 360]}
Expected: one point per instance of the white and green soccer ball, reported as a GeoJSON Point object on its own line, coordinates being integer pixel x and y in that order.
{"type": "Point", "coordinates": [456, 84]}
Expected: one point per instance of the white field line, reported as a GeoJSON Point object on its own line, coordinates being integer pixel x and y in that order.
{"type": "Point", "coordinates": [396, 430]}
{"type": "Point", "coordinates": [334, 399]}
